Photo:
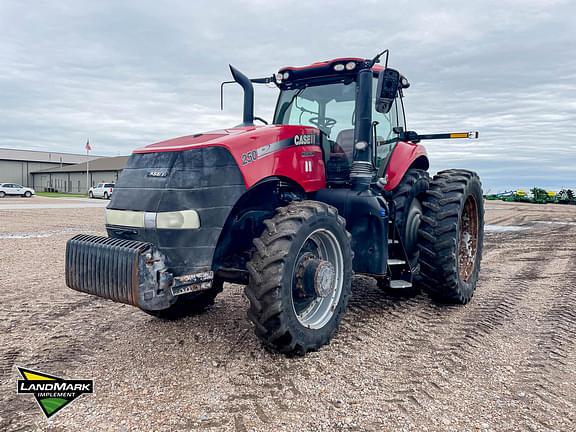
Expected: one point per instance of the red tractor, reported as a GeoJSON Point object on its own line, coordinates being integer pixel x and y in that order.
{"type": "Point", "coordinates": [336, 185]}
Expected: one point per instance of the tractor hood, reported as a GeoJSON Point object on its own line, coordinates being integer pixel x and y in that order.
{"type": "Point", "coordinates": [203, 139]}
{"type": "Point", "coordinates": [233, 138]}
{"type": "Point", "coordinates": [260, 151]}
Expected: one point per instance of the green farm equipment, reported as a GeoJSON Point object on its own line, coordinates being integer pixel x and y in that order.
{"type": "Point", "coordinates": [566, 196]}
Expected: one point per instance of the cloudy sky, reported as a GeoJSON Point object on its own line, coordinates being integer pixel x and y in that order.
{"type": "Point", "coordinates": [129, 73]}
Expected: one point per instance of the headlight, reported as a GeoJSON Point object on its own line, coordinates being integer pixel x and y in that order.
{"type": "Point", "coordinates": [184, 219]}
{"type": "Point", "coordinates": [125, 218]}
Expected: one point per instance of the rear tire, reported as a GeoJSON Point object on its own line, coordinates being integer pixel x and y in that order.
{"type": "Point", "coordinates": [294, 312]}
{"type": "Point", "coordinates": [105, 195]}
{"type": "Point", "coordinates": [2, 194]}
{"type": "Point", "coordinates": [451, 236]}
{"type": "Point", "coordinates": [190, 304]}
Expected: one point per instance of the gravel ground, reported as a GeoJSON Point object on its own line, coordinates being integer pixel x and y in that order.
{"type": "Point", "coordinates": [503, 362]}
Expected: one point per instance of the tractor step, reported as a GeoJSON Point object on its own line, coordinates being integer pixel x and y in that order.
{"type": "Point", "coordinates": [399, 271]}
{"type": "Point", "coordinates": [400, 284]}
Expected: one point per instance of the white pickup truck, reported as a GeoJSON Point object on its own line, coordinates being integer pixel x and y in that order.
{"type": "Point", "coordinates": [101, 190]}
{"type": "Point", "coordinates": [15, 189]}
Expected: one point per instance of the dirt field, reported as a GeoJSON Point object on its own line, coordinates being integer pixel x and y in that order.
{"type": "Point", "coordinates": [506, 361]}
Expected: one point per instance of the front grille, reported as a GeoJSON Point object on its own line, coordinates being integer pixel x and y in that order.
{"type": "Point", "coordinates": [106, 267]}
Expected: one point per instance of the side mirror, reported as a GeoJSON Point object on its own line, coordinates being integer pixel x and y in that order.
{"type": "Point", "coordinates": [388, 81]}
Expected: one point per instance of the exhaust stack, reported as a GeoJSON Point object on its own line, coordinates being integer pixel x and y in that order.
{"type": "Point", "coordinates": [244, 81]}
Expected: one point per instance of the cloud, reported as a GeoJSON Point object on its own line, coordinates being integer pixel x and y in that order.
{"type": "Point", "coordinates": [134, 72]}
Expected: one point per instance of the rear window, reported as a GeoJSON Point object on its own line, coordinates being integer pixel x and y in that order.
{"type": "Point", "coordinates": [109, 185]}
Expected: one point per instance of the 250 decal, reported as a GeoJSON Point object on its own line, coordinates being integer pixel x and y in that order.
{"type": "Point", "coordinates": [249, 157]}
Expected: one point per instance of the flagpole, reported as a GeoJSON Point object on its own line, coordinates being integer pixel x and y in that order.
{"type": "Point", "coordinates": [87, 166]}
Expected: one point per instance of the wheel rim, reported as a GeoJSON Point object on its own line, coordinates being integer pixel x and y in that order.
{"type": "Point", "coordinates": [468, 239]}
{"type": "Point", "coordinates": [312, 310]}
{"type": "Point", "coordinates": [411, 230]}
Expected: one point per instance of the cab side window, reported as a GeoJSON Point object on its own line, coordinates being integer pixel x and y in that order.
{"type": "Point", "coordinates": [385, 122]}
{"type": "Point", "coordinates": [385, 130]}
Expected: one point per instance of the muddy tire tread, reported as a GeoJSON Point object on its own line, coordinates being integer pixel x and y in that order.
{"type": "Point", "coordinates": [438, 236]}
{"type": "Point", "coordinates": [266, 270]}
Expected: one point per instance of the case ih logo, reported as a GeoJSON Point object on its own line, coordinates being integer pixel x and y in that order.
{"type": "Point", "coordinates": [51, 392]}
{"type": "Point", "coordinates": [307, 139]}
{"type": "Point", "coordinates": [157, 173]}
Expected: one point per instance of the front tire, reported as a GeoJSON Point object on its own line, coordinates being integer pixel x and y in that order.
{"type": "Point", "coordinates": [300, 277]}
{"type": "Point", "coordinates": [190, 304]}
{"type": "Point", "coordinates": [28, 194]}
{"type": "Point", "coordinates": [2, 194]}
{"type": "Point", "coordinates": [90, 194]}
{"type": "Point", "coordinates": [451, 236]}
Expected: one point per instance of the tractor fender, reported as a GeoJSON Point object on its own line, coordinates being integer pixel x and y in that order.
{"type": "Point", "coordinates": [245, 222]}
{"type": "Point", "coordinates": [406, 155]}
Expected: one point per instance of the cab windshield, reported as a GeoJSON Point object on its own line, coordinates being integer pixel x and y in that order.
{"type": "Point", "coordinates": [328, 107]}
{"type": "Point", "coordinates": [331, 107]}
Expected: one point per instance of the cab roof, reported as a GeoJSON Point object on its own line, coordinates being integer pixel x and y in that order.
{"type": "Point", "coordinates": [322, 64]}
{"type": "Point", "coordinates": [340, 68]}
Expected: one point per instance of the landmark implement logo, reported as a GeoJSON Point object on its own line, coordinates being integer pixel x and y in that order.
{"type": "Point", "coordinates": [51, 392]}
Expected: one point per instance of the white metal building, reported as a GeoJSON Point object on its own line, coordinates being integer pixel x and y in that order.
{"type": "Point", "coordinates": [16, 166]}
{"type": "Point", "coordinates": [72, 178]}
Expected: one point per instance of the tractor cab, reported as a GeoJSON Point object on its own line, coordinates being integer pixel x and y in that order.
{"type": "Point", "coordinates": [325, 95]}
